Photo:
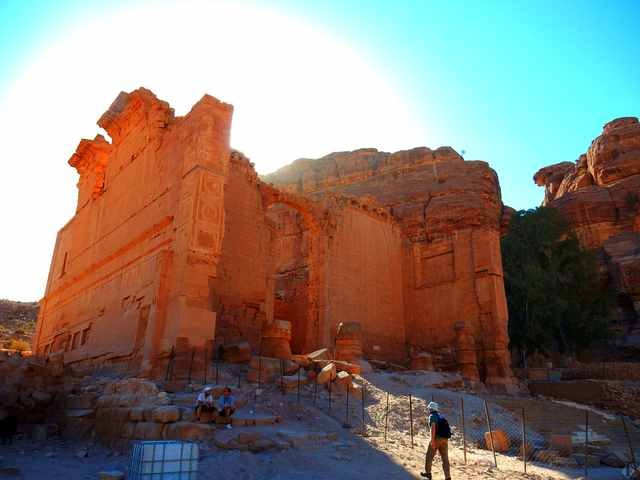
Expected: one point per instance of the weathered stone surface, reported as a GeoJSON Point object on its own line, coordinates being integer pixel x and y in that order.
{"type": "Point", "coordinates": [403, 244]}
{"type": "Point", "coordinates": [166, 414]}
{"type": "Point", "coordinates": [148, 431]}
{"type": "Point", "coordinates": [327, 374]}
{"type": "Point", "coordinates": [188, 431]}
{"type": "Point", "coordinates": [501, 441]}
{"type": "Point", "coordinates": [600, 197]}
{"type": "Point", "coordinates": [236, 352]}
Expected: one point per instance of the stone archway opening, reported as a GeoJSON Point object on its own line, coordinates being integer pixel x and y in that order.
{"type": "Point", "coordinates": [295, 272]}
{"type": "Point", "coordinates": [290, 272]}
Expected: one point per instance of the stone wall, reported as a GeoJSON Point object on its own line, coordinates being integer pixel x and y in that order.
{"type": "Point", "coordinates": [449, 212]}
{"type": "Point", "coordinates": [130, 270]}
{"type": "Point", "coordinates": [617, 396]}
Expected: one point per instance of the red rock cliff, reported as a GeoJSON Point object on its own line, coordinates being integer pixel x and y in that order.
{"type": "Point", "coordinates": [600, 196]}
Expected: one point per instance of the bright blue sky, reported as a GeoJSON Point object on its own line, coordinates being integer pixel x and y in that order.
{"type": "Point", "coordinates": [518, 84]}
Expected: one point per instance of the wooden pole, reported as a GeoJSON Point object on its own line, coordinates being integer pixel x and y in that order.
{"type": "Point", "coordinates": [464, 432]}
{"type": "Point", "coordinates": [524, 440]}
{"type": "Point", "coordinates": [386, 419]}
{"type": "Point", "coordinates": [217, 371]}
{"type": "Point", "coordinates": [411, 419]}
{"type": "Point", "coordinates": [486, 412]}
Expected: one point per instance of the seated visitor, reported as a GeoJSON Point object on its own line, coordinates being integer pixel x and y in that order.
{"type": "Point", "coordinates": [205, 402]}
{"type": "Point", "coordinates": [226, 403]}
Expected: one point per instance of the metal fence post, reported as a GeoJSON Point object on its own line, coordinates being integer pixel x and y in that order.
{"type": "Point", "coordinates": [586, 443]}
{"type": "Point", "coordinates": [193, 355]}
{"type": "Point", "coordinates": [298, 393]}
{"type": "Point", "coordinates": [206, 366]}
{"type": "Point", "coordinates": [486, 412]}
{"type": "Point", "coordinates": [364, 423]}
{"type": "Point", "coordinates": [411, 419]}
{"type": "Point", "coordinates": [330, 396]}
{"type": "Point", "coordinates": [315, 389]}
{"type": "Point", "coordinates": [217, 371]}
{"type": "Point", "coordinates": [386, 419]}
{"type": "Point", "coordinates": [346, 415]}
{"type": "Point", "coordinates": [281, 376]}
{"type": "Point", "coordinates": [524, 440]}
{"type": "Point", "coordinates": [170, 363]}
{"type": "Point", "coordinates": [464, 432]}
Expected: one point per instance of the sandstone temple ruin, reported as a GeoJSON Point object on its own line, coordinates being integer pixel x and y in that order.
{"type": "Point", "coordinates": [177, 243]}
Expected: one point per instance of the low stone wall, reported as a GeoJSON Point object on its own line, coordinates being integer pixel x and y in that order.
{"type": "Point", "coordinates": [135, 409]}
{"type": "Point", "coordinates": [605, 371]}
{"type": "Point", "coordinates": [617, 396]}
{"type": "Point", "coordinates": [30, 391]}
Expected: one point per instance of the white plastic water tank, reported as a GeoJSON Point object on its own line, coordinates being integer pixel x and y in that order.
{"type": "Point", "coordinates": [163, 460]}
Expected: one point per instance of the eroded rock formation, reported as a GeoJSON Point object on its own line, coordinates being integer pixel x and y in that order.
{"type": "Point", "coordinates": [599, 194]}
{"type": "Point", "coordinates": [177, 247]}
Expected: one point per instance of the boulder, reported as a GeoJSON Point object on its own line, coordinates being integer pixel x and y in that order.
{"type": "Point", "coordinates": [327, 374]}
{"type": "Point", "coordinates": [236, 352]}
{"type": "Point", "coordinates": [501, 442]}
{"type": "Point", "coordinates": [166, 414]}
{"type": "Point", "coordinates": [148, 431]}
{"type": "Point", "coordinates": [188, 431]}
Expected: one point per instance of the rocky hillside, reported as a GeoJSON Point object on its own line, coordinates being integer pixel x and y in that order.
{"type": "Point", "coordinates": [17, 323]}
{"type": "Point", "coordinates": [600, 196]}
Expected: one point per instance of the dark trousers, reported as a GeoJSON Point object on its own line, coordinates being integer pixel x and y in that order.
{"type": "Point", "coordinates": [442, 447]}
{"type": "Point", "coordinates": [227, 411]}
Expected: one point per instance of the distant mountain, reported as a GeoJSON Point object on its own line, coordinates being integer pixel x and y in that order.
{"type": "Point", "coordinates": [17, 324]}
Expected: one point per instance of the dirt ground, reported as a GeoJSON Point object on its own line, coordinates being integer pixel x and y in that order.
{"type": "Point", "coordinates": [341, 453]}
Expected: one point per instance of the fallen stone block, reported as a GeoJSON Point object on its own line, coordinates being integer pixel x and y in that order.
{"type": "Point", "coordinates": [322, 354]}
{"type": "Point", "coordinates": [188, 431]}
{"type": "Point", "coordinates": [136, 414]}
{"type": "Point", "coordinates": [166, 414]}
{"type": "Point", "coordinates": [236, 352]}
{"type": "Point", "coordinates": [327, 374]}
{"type": "Point", "coordinates": [562, 444]}
{"type": "Point", "coordinates": [351, 368]}
{"type": "Point", "coordinates": [148, 431]}
{"type": "Point", "coordinates": [501, 441]}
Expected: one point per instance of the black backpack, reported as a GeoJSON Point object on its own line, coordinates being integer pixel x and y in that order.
{"type": "Point", "coordinates": [443, 430]}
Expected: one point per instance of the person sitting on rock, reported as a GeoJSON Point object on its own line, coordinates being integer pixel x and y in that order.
{"type": "Point", "coordinates": [226, 404]}
{"type": "Point", "coordinates": [205, 403]}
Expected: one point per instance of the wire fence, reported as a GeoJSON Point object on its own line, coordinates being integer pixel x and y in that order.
{"type": "Point", "coordinates": [509, 433]}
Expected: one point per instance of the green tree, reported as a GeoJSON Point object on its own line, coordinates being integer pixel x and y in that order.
{"type": "Point", "coordinates": [554, 293]}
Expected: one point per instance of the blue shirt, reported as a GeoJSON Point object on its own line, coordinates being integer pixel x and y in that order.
{"type": "Point", "coordinates": [224, 402]}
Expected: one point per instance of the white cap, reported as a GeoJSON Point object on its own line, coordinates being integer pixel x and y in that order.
{"type": "Point", "coordinates": [433, 406]}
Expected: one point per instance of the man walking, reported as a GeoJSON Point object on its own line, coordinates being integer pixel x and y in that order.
{"type": "Point", "coordinates": [439, 442]}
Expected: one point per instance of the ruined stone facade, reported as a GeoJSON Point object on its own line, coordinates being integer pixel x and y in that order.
{"type": "Point", "coordinates": [599, 195]}
{"type": "Point", "coordinates": [176, 243]}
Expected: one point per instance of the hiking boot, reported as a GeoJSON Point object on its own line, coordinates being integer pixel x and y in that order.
{"type": "Point", "coordinates": [426, 475]}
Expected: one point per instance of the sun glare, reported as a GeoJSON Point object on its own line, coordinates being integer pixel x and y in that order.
{"type": "Point", "coordinates": [297, 91]}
